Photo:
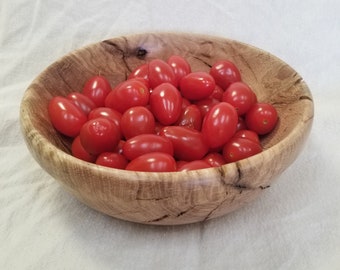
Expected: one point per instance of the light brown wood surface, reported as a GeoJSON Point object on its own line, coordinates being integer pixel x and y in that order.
{"type": "Point", "coordinates": [168, 198]}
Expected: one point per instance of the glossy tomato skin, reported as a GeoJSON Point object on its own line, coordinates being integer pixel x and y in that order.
{"type": "Point", "coordinates": [153, 162]}
{"type": "Point", "coordinates": [206, 104]}
{"type": "Point", "coordinates": [219, 124]}
{"type": "Point", "coordinates": [217, 93]}
{"type": "Point", "coordinates": [180, 67]}
{"type": "Point", "coordinates": [146, 143]}
{"type": "Point", "coordinates": [197, 85]}
{"type": "Point", "coordinates": [82, 102]}
{"type": "Point", "coordinates": [78, 151]}
{"type": "Point", "coordinates": [240, 148]}
{"type": "Point", "coordinates": [241, 123]}
{"type": "Point", "coordinates": [190, 117]}
{"type": "Point", "coordinates": [214, 159]}
{"type": "Point", "coordinates": [112, 160]}
{"type": "Point", "coordinates": [225, 72]}
{"type": "Point", "coordinates": [194, 165]}
{"type": "Point", "coordinates": [141, 71]}
{"type": "Point", "coordinates": [97, 88]}
{"type": "Point", "coordinates": [241, 96]}
{"type": "Point", "coordinates": [128, 94]}
{"type": "Point", "coordinates": [261, 118]}
{"type": "Point", "coordinates": [65, 116]}
{"type": "Point", "coordinates": [166, 103]}
{"type": "Point", "coordinates": [160, 72]}
{"type": "Point", "coordinates": [188, 143]}
{"type": "Point", "coordinates": [248, 134]}
{"type": "Point", "coordinates": [137, 120]}
{"type": "Point", "coordinates": [105, 112]}
{"type": "Point", "coordinates": [99, 135]}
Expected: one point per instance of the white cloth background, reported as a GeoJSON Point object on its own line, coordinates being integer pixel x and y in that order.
{"type": "Point", "coordinates": [294, 225]}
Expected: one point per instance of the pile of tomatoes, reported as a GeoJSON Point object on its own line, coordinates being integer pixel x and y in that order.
{"type": "Point", "coordinates": [165, 118]}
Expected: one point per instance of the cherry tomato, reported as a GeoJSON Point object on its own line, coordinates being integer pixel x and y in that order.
{"type": "Point", "coordinates": [248, 134]}
{"type": "Point", "coordinates": [240, 148]}
{"type": "Point", "coordinates": [197, 85]}
{"type": "Point", "coordinates": [214, 159]}
{"type": "Point", "coordinates": [78, 151]}
{"type": "Point", "coordinates": [82, 102]}
{"type": "Point", "coordinates": [99, 135]}
{"type": "Point", "coordinates": [180, 67]}
{"type": "Point", "coordinates": [160, 72]}
{"type": "Point", "coordinates": [219, 124]}
{"type": "Point", "coordinates": [65, 116]}
{"type": "Point", "coordinates": [137, 120]}
{"type": "Point", "coordinates": [240, 96]}
{"type": "Point", "coordinates": [141, 71]}
{"type": "Point", "coordinates": [185, 103]}
{"type": "Point", "coordinates": [180, 163]}
{"type": "Point", "coordinates": [105, 112]}
{"type": "Point", "coordinates": [241, 123]}
{"type": "Point", "coordinates": [194, 165]}
{"type": "Point", "coordinates": [97, 88]}
{"type": "Point", "coordinates": [146, 143]}
{"type": "Point", "coordinates": [188, 143]}
{"type": "Point", "coordinates": [128, 94]}
{"type": "Point", "coordinates": [217, 93]}
{"type": "Point", "coordinates": [205, 105]}
{"type": "Point", "coordinates": [112, 160]}
{"type": "Point", "coordinates": [261, 118]}
{"type": "Point", "coordinates": [190, 117]}
{"type": "Point", "coordinates": [166, 103]}
{"type": "Point", "coordinates": [153, 162]}
{"type": "Point", "coordinates": [225, 72]}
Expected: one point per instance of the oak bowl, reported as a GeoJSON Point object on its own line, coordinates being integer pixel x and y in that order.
{"type": "Point", "coordinates": [179, 197]}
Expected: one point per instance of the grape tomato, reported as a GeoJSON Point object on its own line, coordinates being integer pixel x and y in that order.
{"type": "Point", "coordinates": [165, 117]}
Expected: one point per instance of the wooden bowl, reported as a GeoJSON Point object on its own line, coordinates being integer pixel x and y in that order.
{"type": "Point", "coordinates": [168, 198]}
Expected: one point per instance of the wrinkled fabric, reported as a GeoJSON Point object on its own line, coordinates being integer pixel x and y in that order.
{"type": "Point", "coordinates": [295, 224]}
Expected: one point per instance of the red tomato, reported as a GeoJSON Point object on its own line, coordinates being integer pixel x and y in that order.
{"type": "Point", "coordinates": [99, 135]}
{"type": "Point", "coordinates": [153, 162]}
{"type": "Point", "coordinates": [137, 120]}
{"type": "Point", "coordinates": [190, 117]}
{"type": "Point", "coordinates": [82, 102]}
{"type": "Point", "coordinates": [188, 143]}
{"type": "Point", "coordinates": [217, 93]}
{"type": "Point", "coordinates": [105, 112]}
{"type": "Point", "coordinates": [194, 165]}
{"type": "Point", "coordinates": [112, 160]}
{"type": "Point", "coordinates": [146, 143]}
{"type": "Point", "coordinates": [241, 123]}
{"type": "Point", "coordinates": [206, 104]}
{"type": "Point", "coordinates": [240, 96]}
{"type": "Point", "coordinates": [65, 116]}
{"type": "Point", "coordinates": [141, 71]}
{"type": "Point", "coordinates": [225, 72]}
{"type": "Point", "coordinates": [214, 159]}
{"type": "Point", "coordinates": [97, 88]}
{"type": "Point", "coordinates": [160, 72]}
{"type": "Point", "coordinates": [248, 134]}
{"type": "Point", "coordinates": [185, 103]}
{"type": "Point", "coordinates": [128, 94]}
{"type": "Point", "coordinates": [78, 151]}
{"type": "Point", "coordinates": [180, 66]}
{"type": "Point", "coordinates": [240, 148]}
{"type": "Point", "coordinates": [197, 85]}
{"type": "Point", "coordinates": [166, 103]}
{"type": "Point", "coordinates": [219, 124]}
{"type": "Point", "coordinates": [261, 118]}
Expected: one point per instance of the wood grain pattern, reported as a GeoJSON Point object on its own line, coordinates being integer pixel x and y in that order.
{"type": "Point", "coordinates": [168, 198]}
